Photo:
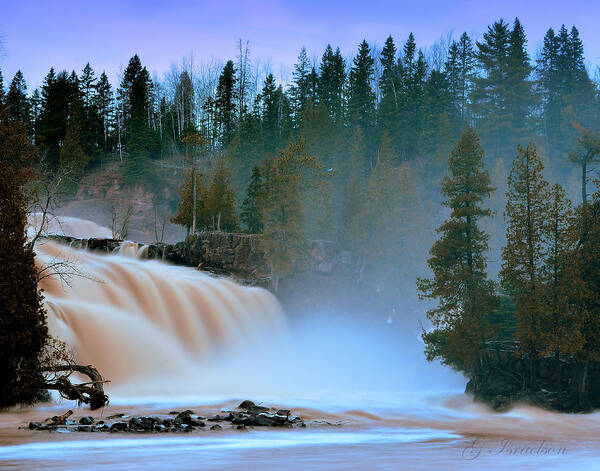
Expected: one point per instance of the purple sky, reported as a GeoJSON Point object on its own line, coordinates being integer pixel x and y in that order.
{"type": "Point", "coordinates": [68, 33]}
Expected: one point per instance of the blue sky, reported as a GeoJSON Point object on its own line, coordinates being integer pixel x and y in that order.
{"type": "Point", "coordinates": [67, 33]}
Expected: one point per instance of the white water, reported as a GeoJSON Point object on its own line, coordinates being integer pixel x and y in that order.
{"type": "Point", "coordinates": [172, 337]}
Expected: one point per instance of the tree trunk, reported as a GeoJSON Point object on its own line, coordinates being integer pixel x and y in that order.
{"type": "Point", "coordinates": [583, 182]}
{"type": "Point", "coordinates": [91, 393]}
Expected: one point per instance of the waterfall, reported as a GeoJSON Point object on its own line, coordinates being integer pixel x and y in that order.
{"type": "Point", "coordinates": [136, 319]}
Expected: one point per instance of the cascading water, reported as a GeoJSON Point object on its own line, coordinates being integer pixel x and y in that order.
{"type": "Point", "coordinates": [142, 321]}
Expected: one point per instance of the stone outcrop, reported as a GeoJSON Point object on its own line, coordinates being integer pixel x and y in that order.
{"type": "Point", "coordinates": [504, 380]}
{"type": "Point", "coordinates": [228, 253]}
{"type": "Point", "coordinates": [247, 415]}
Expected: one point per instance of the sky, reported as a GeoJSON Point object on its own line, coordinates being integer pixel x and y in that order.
{"type": "Point", "coordinates": [65, 34]}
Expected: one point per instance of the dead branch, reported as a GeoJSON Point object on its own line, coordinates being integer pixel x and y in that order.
{"type": "Point", "coordinates": [91, 393]}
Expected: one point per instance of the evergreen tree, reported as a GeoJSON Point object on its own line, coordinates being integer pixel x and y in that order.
{"type": "Point", "coordinates": [465, 295]}
{"type": "Point", "coordinates": [519, 88]}
{"type": "Point", "coordinates": [104, 106]}
{"type": "Point", "coordinates": [561, 329]}
{"type": "Point", "coordinates": [414, 74]}
{"type": "Point", "coordinates": [301, 89]}
{"type": "Point", "coordinates": [17, 103]}
{"type": "Point", "coordinates": [489, 97]}
{"type": "Point", "coordinates": [439, 119]}
{"type": "Point", "coordinates": [526, 216]}
{"type": "Point", "coordinates": [91, 124]}
{"type": "Point", "coordinates": [251, 214]}
{"type": "Point", "coordinates": [390, 85]}
{"type": "Point", "coordinates": [283, 216]}
{"type": "Point", "coordinates": [459, 69]}
{"type": "Point", "coordinates": [141, 141]}
{"type": "Point", "coordinates": [59, 92]}
{"type": "Point", "coordinates": [23, 330]}
{"type": "Point", "coordinates": [270, 97]}
{"type": "Point", "coordinates": [72, 157]}
{"type": "Point", "coordinates": [225, 103]}
{"type": "Point", "coordinates": [185, 212]}
{"type": "Point", "coordinates": [219, 204]}
{"type": "Point", "coordinates": [361, 98]}
{"type": "Point", "coordinates": [331, 84]}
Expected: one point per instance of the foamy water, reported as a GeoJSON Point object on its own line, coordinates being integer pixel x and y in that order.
{"type": "Point", "coordinates": [171, 337]}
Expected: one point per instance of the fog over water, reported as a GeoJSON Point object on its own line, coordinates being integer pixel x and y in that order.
{"type": "Point", "coordinates": [172, 337]}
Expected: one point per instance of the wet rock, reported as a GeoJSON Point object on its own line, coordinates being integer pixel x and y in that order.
{"type": "Point", "coordinates": [119, 427]}
{"type": "Point", "coordinates": [142, 423]}
{"type": "Point", "coordinates": [284, 412]}
{"type": "Point", "coordinates": [85, 428]}
{"type": "Point", "coordinates": [115, 416]}
{"type": "Point", "coordinates": [167, 422]}
{"type": "Point", "coordinates": [216, 427]}
{"type": "Point", "coordinates": [220, 418]}
{"type": "Point", "coordinates": [86, 420]}
{"type": "Point", "coordinates": [239, 419]}
{"type": "Point", "coordinates": [252, 408]}
{"type": "Point", "coordinates": [35, 425]}
{"type": "Point", "coordinates": [264, 421]}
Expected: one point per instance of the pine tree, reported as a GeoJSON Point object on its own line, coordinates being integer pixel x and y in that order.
{"type": "Point", "coordinates": [141, 141]}
{"type": "Point", "coordinates": [465, 295]}
{"type": "Point", "coordinates": [489, 97]}
{"type": "Point", "coordinates": [331, 83]}
{"type": "Point", "coordinates": [72, 157]}
{"type": "Point", "coordinates": [361, 98]}
{"type": "Point", "coordinates": [59, 92]}
{"type": "Point", "coordinates": [17, 103]}
{"type": "Point", "coordinates": [91, 123]}
{"type": "Point", "coordinates": [391, 89]}
{"type": "Point", "coordinates": [459, 69]}
{"type": "Point", "coordinates": [439, 119]}
{"type": "Point", "coordinates": [300, 90]}
{"type": "Point", "coordinates": [251, 214]}
{"type": "Point", "coordinates": [270, 114]}
{"type": "Point", "coordinates": [526, 216]}
{"type": "Point", "coordinates": [104, 106]}
{"type": "Point", "coordinates": [519, 88]}
{"type": "Point", "coordinates": [225, 103]}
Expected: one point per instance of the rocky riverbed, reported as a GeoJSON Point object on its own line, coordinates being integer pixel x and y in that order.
{"type": "Point", "coordinates": [247, 415]}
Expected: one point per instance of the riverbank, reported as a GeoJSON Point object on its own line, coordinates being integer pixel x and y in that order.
{"type": "Point", "coordinates": [418, 430]}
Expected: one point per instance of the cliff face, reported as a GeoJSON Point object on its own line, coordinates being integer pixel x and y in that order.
{"type": "Point", "coordinates": [229, 253]}
{"type": "Point", "coordinates": [504, 379]}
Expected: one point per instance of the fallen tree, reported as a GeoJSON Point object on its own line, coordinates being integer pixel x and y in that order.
{"type": "Point", "coordinates": [91, 392]}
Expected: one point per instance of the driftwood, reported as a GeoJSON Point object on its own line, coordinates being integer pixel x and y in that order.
{"type": "Point", "coordinates": [61, 419]}
{"type": "Point", "coordinates": [91, 393]}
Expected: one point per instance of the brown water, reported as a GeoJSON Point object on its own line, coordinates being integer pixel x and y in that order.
{"type": "Point", "coordinates": [173, 338]}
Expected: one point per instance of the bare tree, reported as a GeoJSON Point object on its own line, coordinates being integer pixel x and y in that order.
{"type": "Point", "coordinates": [243, 67]}
{"type": "Point", "coordinates": [119, 221]}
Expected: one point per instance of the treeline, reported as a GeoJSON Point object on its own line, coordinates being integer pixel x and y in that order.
{"type": "Point", "coordinates": [492, 85]}
{"type": "Point", "coordinates": [547, 297]}
{"type": "Point", "coordinates": [359, 143]}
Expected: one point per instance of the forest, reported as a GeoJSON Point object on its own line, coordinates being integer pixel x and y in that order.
{"type": "Point", "coordinates": [362, 151]}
